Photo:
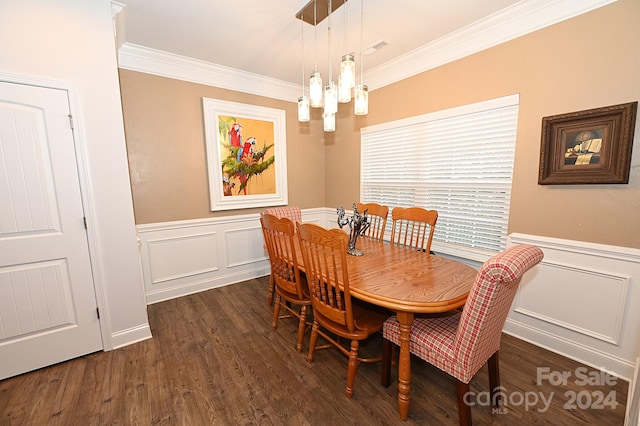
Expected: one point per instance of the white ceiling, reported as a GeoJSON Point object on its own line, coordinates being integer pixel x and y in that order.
{"type": "Point", "coordinates": [264, 37]}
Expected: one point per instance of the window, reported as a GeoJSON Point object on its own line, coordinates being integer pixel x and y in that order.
{"type": "Point", "coordinates": [457, 161]}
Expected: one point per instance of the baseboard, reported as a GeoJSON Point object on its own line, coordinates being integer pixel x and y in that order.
{"type": "Point", "coordinates": [203, 285]}
{"type": "Point", "coordinates": [130, 335]}
{"type": "Point", "coordinates": [599, 360]}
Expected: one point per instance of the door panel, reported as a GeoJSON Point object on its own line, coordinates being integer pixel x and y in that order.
{"type": "Point", "coordinates": [47, 299]}
{"type": "Point", "coordinates": [35, 297]}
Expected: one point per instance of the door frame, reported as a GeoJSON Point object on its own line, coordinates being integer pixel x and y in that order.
{"type": "Point", "coordinates": [79, 142]}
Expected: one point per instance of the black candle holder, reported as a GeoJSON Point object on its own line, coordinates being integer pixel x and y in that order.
{"type": "Point", "coordinates": [358, 225]}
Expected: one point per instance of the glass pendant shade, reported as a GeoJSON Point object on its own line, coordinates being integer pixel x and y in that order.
{"type": "Point", "coordinates": [329, 121]}
{"type": "Point", "coordinates": [348, 69]}
{"type": "Point", "coordinates": [361, 104]}
{"type": "Point", "coordinates": [315, 89]}
{"type": "Point", "coordinates": [344, 90]}
{"type": "Point", "coordinates": [328, 94]}
{"type": "Point", "coordinates": [303, 109]}
{"type": "Point", "coordinates": [330, 98]}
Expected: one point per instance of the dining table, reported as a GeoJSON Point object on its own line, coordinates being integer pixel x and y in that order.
{"type": "Point", "coordinates": [408, 282]}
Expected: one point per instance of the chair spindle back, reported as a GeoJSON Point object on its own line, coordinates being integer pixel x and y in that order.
{"type": "Point", "coordinates": [324, 254]}
{"type": "Point", "coordinates": [279, 236]}
{"type": "Point", "coordinates": [413, 227]}
{"type": "Point", "coordinates": [377, 215]}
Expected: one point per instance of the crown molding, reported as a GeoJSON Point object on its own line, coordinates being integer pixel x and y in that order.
{"type": "Point", "coordinates": [118, 11]}
{"type": "Point", "coordinates": [520, 19]}
{"type": "Point", "coordinates": [157, 62]}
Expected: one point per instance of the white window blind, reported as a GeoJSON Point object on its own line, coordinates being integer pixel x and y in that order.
{"type": "Point", "coordinates": [458, 162]}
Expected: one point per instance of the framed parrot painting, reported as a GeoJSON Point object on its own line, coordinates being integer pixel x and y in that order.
{"type": "Point", "coordinates": [246, 155]}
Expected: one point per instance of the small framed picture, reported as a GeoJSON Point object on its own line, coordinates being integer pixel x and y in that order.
{"type": "Point", "coordinates": [588, 147]}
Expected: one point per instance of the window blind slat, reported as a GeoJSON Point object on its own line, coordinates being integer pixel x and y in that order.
{"type": "Point", "coordinates": [459, 162]}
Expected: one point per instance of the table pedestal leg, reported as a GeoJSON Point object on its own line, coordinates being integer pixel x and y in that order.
{"type": "Point", "coordinates": [404, 364]}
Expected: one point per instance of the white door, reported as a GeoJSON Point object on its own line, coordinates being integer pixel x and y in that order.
{"type": "Point", "coordinates": [47, 298]}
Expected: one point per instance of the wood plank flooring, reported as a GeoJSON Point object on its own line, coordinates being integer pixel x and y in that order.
{"type": "Point", "coordinates": [214, 360]}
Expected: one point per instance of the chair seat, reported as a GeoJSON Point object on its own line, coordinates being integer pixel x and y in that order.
{"type": "Point", "coordinates": [289, 291]}
{"type": "Point", "coordinates": [367, 322]}
{"type": "Point", "coordinates": [432, 339]}
{"type": "Point", "coordinates": [293, 298]}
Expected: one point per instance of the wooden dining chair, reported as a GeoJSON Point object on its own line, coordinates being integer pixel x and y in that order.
{"type": "Point", "coordinates": [462, 343]}
{"type": "Point", "coordinates": [377, 216]}
{"type": "Point", "coordinates": [294, 214]}
{"type": "Point", "coordinates": [335, 314]}
{"type": "Point", "coordinates": [413, 227]}
{"type": "Point", "coordinates": [291, 290]}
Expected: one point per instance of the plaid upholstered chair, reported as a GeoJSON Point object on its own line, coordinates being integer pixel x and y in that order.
{"type": "Point", "coordinates": [294, 214]}
{"type": "Point", "coordinates": [460, 344]}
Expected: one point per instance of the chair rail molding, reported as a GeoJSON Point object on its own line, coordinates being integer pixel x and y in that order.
{"type": "Point", "coordinates": [578, 302]}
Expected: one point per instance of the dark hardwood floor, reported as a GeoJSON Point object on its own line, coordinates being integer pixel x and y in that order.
{"type": "Point", "coordinates": [214, 360]}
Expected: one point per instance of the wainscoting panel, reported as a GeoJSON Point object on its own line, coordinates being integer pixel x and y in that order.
{"type": "Point", "coordinates": [167, 265]}
{"type": "Point", "coordinates": [587, 291]}
{"type": "Point", "coordinates": [184, 257]}
{"type": "Point", "coordinates": [244, 246]}
{"type": "Point", "coordinates": [581, 301]}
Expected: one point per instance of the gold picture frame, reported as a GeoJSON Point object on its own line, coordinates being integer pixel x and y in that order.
{"type": "Point", "coordinates": [588, 147]}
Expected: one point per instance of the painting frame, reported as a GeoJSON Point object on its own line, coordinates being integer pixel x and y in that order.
{"type": "Point", "coordinates": [216, 112]}
{"type": "Point", "coordinates": [588, 147]}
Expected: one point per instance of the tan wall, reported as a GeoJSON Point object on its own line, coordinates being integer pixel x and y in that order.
{"type": "Point", "coordinates": [587, 62]}
{"type": "Point", "coordinates": [164, 126]}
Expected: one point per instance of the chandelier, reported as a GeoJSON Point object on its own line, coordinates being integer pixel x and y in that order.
{"type": "Point", "coordinates": [331, 94]}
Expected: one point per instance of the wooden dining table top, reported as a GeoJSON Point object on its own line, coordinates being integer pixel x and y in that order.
{"type": "Point", "coordinates": [406, 280]}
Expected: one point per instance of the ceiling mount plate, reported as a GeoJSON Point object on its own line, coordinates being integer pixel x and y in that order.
{"type": "Point", "coordinates": [322, 8]}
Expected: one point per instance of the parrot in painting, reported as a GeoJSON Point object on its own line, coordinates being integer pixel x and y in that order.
{"type": "Point", "coordinates": [235, 136]}
{"type": "Point", "coordinates": [244, 151]}
{"type": "Point", "coordinates": [247, 148]}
